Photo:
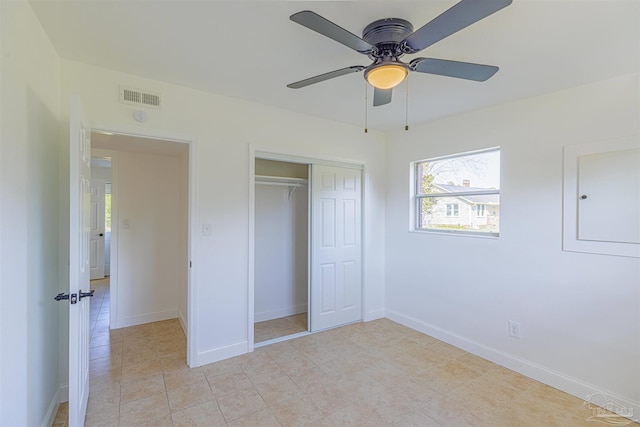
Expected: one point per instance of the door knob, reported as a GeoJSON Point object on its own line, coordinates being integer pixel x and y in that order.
{"type": "Point", "coordinates": [101, 234]}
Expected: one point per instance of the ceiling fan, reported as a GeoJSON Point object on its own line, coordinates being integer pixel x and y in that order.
{"type": "Point", "coordinates": [385, 41]}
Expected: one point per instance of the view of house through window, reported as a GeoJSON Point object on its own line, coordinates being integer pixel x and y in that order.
{"type": "Point", "coordinates": [107, 207]}
{"type": "Point", "coordinates": [459, 193]}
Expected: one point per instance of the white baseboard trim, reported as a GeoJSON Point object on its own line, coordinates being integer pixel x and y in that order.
{"type": "Point", "coordinates": [183, 322]}
{"type": "Point", "coordinates": [140, 319]}
{"type": "Point", "coordinates": [63, 393]}
{"type": "Point", "coordinates": [263, 316]}
{"type": "Point", "coordinates": [52, 410]}
{"type": "Point", "coordinates": [580, 389]}
{"type": "Point", "coordinates": [374, 315]}
{"type": "Point", "coordinates": [221, 353]}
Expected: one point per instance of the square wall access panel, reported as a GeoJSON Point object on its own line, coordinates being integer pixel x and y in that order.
{"type": "Point", "coordinates": [602, 197]}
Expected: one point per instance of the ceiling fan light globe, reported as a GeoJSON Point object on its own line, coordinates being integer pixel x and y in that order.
{"type": "Point", "coordinates": [386, 76]}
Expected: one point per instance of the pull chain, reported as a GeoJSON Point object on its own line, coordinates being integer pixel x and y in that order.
{"type": "Point", "coordinates": [406, 105]}
{"type": "Point", "coordinates": [366, 104]}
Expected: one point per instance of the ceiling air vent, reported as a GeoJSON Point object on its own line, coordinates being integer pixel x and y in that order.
{"type": "Point", "coordinates": [137, 97]}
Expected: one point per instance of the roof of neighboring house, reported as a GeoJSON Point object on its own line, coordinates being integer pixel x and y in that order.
{"type": "Point", "coordinates": [486, 199]}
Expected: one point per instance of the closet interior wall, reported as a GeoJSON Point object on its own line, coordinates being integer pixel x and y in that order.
{"type": "Point", "coordinates": [281, 239]}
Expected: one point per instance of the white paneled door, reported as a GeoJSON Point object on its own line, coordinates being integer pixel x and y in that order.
{"type": "Point", "coordinates": [79, 228]}
{"type": "Point", "coordinates": [96, 233]}
{"type": "Point", "coordinates": [336, 249]}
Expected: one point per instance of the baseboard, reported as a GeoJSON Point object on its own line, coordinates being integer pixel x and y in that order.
{"type": "Point", "coordinates": [263, 316]}
{"type": "Point", "coordinates": [183, 322]}
{"type": "Point", "coordinates": [374, 314]}
{"type": "Point", "coordinates": [63, 393]}
{"type": "Point", "coordinates": [580, 389]}
{"type": "Point", "coordinates": [52, 409]}
{"type": "Point", "coordinates": [140, 319]}
{"type": "Point", "coordinates": [221, 353]}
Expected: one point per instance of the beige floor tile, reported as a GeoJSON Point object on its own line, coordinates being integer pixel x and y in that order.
{"type": "Point", "coordinates": [263, 418]}
{"type": "Point", "coordinates": [322, 422]}
{"type": "Point", "coordinates": [357, 415]}
{"type": "Point", "coordinates": [292, 361]}
{"type": "Point", "coordinates": [135, 370]}
{"type": "Point", "coordinates": [260, 367]}
{"type": "Point", "coordinates": [111, 351]}
{"type": "Point", "coordinates": [205, 414]}
{"type": "Point", "coordinates": [142, 387]}
{"type": "Point", "coordinates": [419, 420]}
{"type": "Point", "coordinates": [240, 403]}
{"type": "Point", "coordinates": [143, 410]}
{"type": "Point", "coordinates": [228, 383]}
{"type": "Point", "coordinates": [228, 366]}
{"type": "Point", "coordinates": [310, 377]}
{"type": "Point", "coordinates": [158, 422]}
{"type": "Point", "coordinates": [277, 390]}
{"type": "Point", "coordinates": [103, 414]}
{"type": "Point", "coordinates": [376, 373]}
{"type": "Point", "coordinates": [62, 415]}
{"type": "Point", "coordinates": [329, 398]}
{"type": "Point", "coordinates": [178, 378]}
{"type": "Point", "coordinates": [391, 407]}
{"type": "Point", "coordinates": [108, 394]}
{"type": "Point", "coordinates": [189, 395]}
{"type": "Point", "coordinates": [450, 413]}
{"type": "Point", "coordinates": [296, 411]}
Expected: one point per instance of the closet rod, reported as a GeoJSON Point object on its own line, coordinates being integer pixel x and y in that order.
{"type": "Point", "coordinates": [279, 184]}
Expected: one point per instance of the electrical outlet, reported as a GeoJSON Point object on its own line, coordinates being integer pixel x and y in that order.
{"type": "Point", "coordinates": [514, 329]}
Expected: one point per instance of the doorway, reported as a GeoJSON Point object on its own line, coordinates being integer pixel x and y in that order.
{"type": "Point", "coordinates": [150, 228]}
{"type": "Point", "coordinates": [318, 235]}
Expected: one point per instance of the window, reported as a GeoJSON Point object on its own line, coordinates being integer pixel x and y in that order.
{"type": "Point", "coordinates": [107, 207]}
{"type": "Point", "coordinates": [459, 193]}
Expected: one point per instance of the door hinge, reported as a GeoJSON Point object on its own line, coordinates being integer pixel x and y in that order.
{"type": "Point", "coordinates": [189, 264]}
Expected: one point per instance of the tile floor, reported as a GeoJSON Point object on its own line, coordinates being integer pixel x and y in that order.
{"type": "Point", "coordinates": [270, 329]}
{"type": "Point", "coordinates": [367, 374]}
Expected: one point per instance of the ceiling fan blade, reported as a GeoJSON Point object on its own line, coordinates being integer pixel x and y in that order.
{"type": "Point", "coordinates": [460, 16]}
{"type": "Point", "coordinates": [317, 23]}
{"type": "Point", "coordinates": [381, 96]}
{"type": "Point", "coordinates": [325, 76]}
{"type": "Point", "coordinates": [461, 70]}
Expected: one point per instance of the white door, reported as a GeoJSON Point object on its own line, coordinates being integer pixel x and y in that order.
{"type": "Point", "coordinates": [336, 270]}
{"type": "Point", "coordinates": [79, 212]}
{"type": "Point", "coordinates": [97, 235]}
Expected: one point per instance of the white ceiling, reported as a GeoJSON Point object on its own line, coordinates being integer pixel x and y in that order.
{"type": "Point", "coordinates": [251, 50]}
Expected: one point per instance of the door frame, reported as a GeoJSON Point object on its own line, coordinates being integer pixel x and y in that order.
{"type": "Point", "coordinates": [269, 153]}
{"type": "Point", "coordinates": [192, 219]}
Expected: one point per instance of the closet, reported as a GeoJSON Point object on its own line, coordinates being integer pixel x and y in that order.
{"type": "Point", "coordinates": [281, 249]}
{"type": "Point", "coordinates": [307, 246]}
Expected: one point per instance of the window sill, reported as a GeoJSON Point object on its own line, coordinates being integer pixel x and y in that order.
{"type": "Point", "coordinates": [491, 236]}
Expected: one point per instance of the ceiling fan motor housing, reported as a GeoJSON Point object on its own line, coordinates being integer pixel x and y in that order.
{"type": "Point", "coordinates": [387, 35]}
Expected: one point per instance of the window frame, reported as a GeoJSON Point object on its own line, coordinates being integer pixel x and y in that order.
{"type": "Point", "coordinates": [416, 197]}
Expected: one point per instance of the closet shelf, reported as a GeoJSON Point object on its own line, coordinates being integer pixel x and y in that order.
{"type": "Point", "coordinates": [282, 181]}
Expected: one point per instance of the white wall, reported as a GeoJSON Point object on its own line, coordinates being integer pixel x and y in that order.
{"type": "Point", "coordinates": [579, 313]}
{"type": "Point", "coordinates": [223, 129]}
{"type": "Point", "coordinates": [151, 252]}
{"type": "Point", "coordinates": [29, 382]}
{"type": "Point", "coordinates": [281, 246]}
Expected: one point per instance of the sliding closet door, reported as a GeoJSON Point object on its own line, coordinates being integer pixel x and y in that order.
{"type": "Point", "coordinates": [336, 266]}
